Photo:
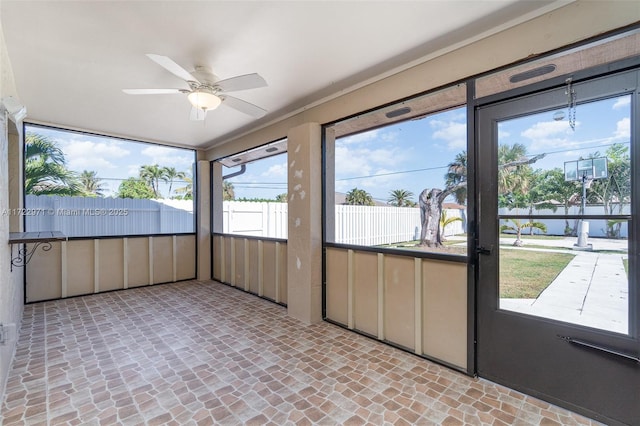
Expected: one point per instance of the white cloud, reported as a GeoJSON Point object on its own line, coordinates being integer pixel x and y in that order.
{"type": "Point", "coordinates": [452, 132]}
{"type": "Point", "coordinates": [623, 129]}
{"type": "Point", "coordinates": [549, 134]}
{"type": "Point", "coordinates": [87, 155]}
{"type": "Point", "coordinates": [133, 170]}
{"type": "Point", "coordinates": [277, 170]}
{"type": "Point", "coordinates": [545, 129]}
{"type": "Point", "coordinates": [367, 165]}
{"type": "Point", "coordinates": [349, 164]}
{"type": "Point", "coordinates": [360, 137]}
{"type": "Point", "coordinates": [370, 136]}
{"type": "Point", "coordinates": [362, 161]}
{"type": "Point", "coordinates": [622, 102]}
{"type": "Point", "coordinates": [167, 157]}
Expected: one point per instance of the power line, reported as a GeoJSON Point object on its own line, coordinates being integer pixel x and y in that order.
{"type": "Point", "coordinates": [253, 184]}
{"type": "Point", "coordinates": [394, 173]}
{"type": "Point", "coordinates": [580, 149]}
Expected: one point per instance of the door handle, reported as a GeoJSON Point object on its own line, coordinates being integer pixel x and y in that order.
{"type": "Point", "coordinates": [483, 250]}
{"type": "Point", "coordinates": [599, 348]}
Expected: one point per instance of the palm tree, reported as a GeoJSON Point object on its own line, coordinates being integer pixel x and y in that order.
{"type": "Point", "coordinates": [446, 220]}
{"type": "Point", "coordinates": [518, 226]}
{"type": "Point", "coordinates": [186, 192]}
{"type": "Point", "coordinates": [457, 174]}
{"type": "Point", "coordinates": [615, 190]}
{"type": "Point", "coordinates": [514, 173]}
{"type": "Point", "coordinates": [91, 183]}
{"type": "Point", "coordinates": [45, 169]}
{"type": "Point", "coordinates": [153, 175]}
{"type": "Point", "coordinates": [510, 161]}
{"type": "Point", "coordinates": [171, 174]}
{"type": "Point", "coordinates": [401, 198]}
{"type": "Point", "coordinates": [359, 197]}
{"type": "Point", "coordinates": [228, 192]}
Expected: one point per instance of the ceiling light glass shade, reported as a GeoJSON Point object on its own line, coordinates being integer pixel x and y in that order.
{"type": "Point", "coordinates": [204, 100]}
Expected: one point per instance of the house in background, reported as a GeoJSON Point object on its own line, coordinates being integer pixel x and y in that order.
{"type": "Point", "coordinates": [333, 69]}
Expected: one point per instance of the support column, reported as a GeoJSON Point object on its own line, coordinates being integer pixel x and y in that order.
{"type": "Point", "coordinates": [203, 226]}
{"type": "Point", "coordinates": [16, 181]}
{"type": "Point", "coordinates": [217, 186]}
{"type": "Point", "coordinates": [217, 225]}
{"type": "Point", "coordinates": [304, 245]}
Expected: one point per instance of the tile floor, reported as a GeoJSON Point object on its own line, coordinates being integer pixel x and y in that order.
{"type": "Point", "coordinates": [203, 353]}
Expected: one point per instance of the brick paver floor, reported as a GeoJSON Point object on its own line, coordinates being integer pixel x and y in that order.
{"type": "Point", "coordinates": [203, 353]}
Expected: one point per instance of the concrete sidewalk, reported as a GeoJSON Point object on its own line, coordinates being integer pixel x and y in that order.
{"type": "Point", "coordinates": [592, 290]}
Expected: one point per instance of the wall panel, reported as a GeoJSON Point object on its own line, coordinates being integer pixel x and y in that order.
{"type": "Point", "coordinates": [110, 264]}
{"type": "Point", "coordinates": [417, 303]}
{"type": "Point", "coordinates": [252, 264]}
{"type": "Point", "coordinates": [444, 315]}
{"type": "Point", "coordinates": [365, 290]}
{"type": "Point", "coordinates": [80, 268]}
{"type": "Point", "coordinates": [217, 261]}
{"type": "Point", "coordinates": [185, 255]}
{"type": "Point", "coordinates": [269, 270]}
{"type": "Point", "coordinates": [239, 262]}
{"type": "Point", "coordinates": [337, 265]}
{"type": "Point", "coordinates": [44, 274]}
{"type": "Point", "coordinates": [255, 266]}
{"type": "Point", "coordinates": [138, 262]}
{"type": "Point", "coordinates": [399, 291]}
{"type": "Point", "coordinates": [162, 259]}
{"type": "Point", "coordinates": [227, 272]}
{"type": "Point", "coordinates": [84, 266]}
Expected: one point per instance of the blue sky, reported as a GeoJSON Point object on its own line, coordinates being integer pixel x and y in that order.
{"type": "Point", "coordinates": [414, 155]}
{"type": "Point", "coordinates": [115, 159]}
{"type": "Point", "coordinates": [411, 155]}
{"type": "Point", "coordinates": [598, 125]}
{"type": "Point", "coordinates": [378, 161]}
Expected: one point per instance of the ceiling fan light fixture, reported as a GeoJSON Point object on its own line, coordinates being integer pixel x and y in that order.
{"type": "Point", "coordinates": [204, 100]}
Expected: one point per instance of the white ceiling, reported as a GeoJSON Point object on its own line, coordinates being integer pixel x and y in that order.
{"type": "Point", "coordinates": [71, 59]}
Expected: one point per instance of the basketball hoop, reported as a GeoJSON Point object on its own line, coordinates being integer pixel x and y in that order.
{"type": "Point", "coordinates": [585, 171]}
{"type": "Point", "coordinates": [588, 182]}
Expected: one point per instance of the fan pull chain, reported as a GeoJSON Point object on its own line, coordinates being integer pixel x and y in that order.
{"type": "Point", "coordinates": [571, 103]}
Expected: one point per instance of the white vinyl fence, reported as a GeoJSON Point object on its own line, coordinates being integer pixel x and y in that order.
{"type": "Point", "coordinates": [255, 219]}
{"type": "Point", "coordinates": [597, 228]}
{"type": "Point", "coordinates": [360, 225]}
{"type": "Point", "coordinates": [95, 217]}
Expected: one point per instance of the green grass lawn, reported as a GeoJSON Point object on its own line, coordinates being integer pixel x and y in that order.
{"type": "Point", "coordinates": [524, 274]}
{"type": "Point", "coordinates": [534, 237]}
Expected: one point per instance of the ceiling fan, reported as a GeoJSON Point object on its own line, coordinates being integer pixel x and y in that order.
{"type": "Point", "coordinates": [206, 92]}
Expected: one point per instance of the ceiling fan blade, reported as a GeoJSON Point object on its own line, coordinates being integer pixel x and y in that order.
{"type": "Point", "coordinates": [168, 64]}
{"type": "Point", "coordinates": [241, 82]}
{"type": "Point", "coordinates": [197, 114]}
{"type": "Point", "coordinates": [151, 91]}
{"type": "Point", "coordinates": [243, 106]}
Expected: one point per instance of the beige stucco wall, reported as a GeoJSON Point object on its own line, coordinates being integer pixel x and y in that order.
{"type": "Point", "coordinates": [16, 184]}
{"type": "Point", "coordinates": [304, 223]}
{"type": "Point", "coordinates": [11, 288]}
{"type": "Point", "coordinates": [203, 225]}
